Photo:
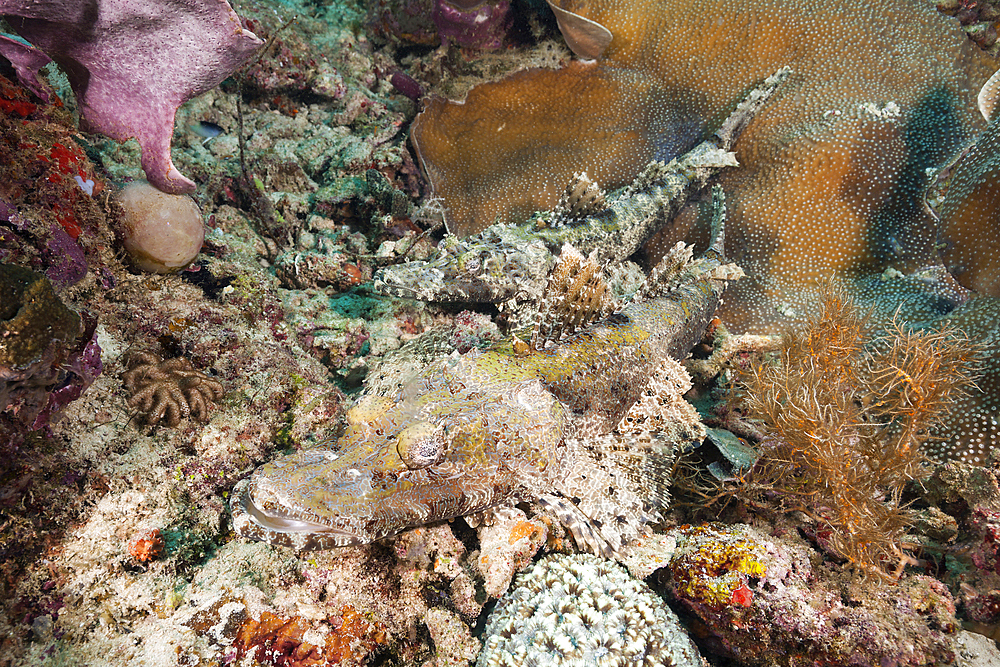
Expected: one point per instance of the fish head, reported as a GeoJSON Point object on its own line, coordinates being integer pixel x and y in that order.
{"type": "Point", "coordinates": [402, 462]}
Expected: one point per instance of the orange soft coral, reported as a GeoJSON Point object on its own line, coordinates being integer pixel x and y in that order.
{"type": "Point", "coordinates": [848, 414]}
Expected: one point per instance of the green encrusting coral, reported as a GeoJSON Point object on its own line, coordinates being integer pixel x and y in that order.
{"type": "Point", "coordinates": [32, 317]}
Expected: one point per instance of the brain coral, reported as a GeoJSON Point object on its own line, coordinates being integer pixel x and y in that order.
{"type": "Point", "coordinates": [833, 169]}
{"type": "Point", "coordinates": [582, 610]}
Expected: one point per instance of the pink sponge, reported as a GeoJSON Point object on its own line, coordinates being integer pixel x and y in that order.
{"type": "Point", "coordinates": [131, 63]}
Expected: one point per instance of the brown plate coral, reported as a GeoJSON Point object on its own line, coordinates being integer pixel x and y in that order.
{"type": "Point", "coordinates": [833, 170]}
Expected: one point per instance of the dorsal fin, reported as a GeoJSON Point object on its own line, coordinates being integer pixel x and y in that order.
{"type": "Point", "coordinates": [575, 296]}
{"type": "Point", "coordinates": [583, 197]}
{"type": "Point", "coordinates": [678, 265]}
{"type": "Point", "coordinates": [667, 274]}
{"type": "Point", "coordinates": [718, 245]}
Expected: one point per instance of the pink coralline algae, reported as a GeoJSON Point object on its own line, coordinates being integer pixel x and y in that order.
{"type": "Point", "coordinates": [63, 256]}
{"type": "Point", "coordinates": [131, 63]}
{"type": "Point", "coordinates": [471, 23]}
{"type": "Point", "coordinates": [969, 499]}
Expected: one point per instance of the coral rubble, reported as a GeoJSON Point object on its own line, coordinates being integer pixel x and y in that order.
{"type": "Point", "coordinates": [979, 18]}
{"type": "Point", "coordinates": [764, 601]}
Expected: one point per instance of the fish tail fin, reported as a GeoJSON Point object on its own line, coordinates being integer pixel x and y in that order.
{"type": "Point", "coordinates": [734, 124]}
{"type": "Point", "coordinates": [617, 486]}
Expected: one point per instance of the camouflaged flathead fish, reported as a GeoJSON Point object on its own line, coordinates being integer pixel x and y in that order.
{"type": "Point", "coordinates": [522, 421]}
{"type": "Point", "coordinates": [509, 264]}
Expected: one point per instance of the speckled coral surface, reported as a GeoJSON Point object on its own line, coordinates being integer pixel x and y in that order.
{"type": "Point", "coordinates": [972, 429]}
{"type": "Point", "coordinates": [833, 169]}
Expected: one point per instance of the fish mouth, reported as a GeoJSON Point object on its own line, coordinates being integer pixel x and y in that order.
{"type": "Point", "coordinates": [278, 526]}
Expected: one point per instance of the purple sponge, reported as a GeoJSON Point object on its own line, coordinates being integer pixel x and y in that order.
{"type": "Point", "coordinates": [131, 63]}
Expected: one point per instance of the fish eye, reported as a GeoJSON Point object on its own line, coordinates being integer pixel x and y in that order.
{"type": "Point", "coordinates": [420, 445]}
{"type": "Point", "coordinates": [473, 264]}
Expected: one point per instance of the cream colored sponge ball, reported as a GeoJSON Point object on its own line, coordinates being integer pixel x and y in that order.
{"type": "Point", "coordinates": [161, 233]}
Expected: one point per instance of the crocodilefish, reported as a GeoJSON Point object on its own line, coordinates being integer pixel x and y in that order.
{"type": "Point", "coordinates": [522, 421]}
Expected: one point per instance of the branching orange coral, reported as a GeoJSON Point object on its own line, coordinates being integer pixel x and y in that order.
{"type": "Point", "coordinates": [170, 389]}
{"type": "Point", "coordinates": [847, 411]}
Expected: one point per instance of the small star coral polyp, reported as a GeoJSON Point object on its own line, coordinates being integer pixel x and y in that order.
{"type": "Point", "coordinates": [171, 389]}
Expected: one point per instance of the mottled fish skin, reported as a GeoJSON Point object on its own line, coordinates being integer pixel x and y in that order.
{"type": "Point", "coordinates": [493, 427]}
{"type": "Point", "coordinates": [511, 262]}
